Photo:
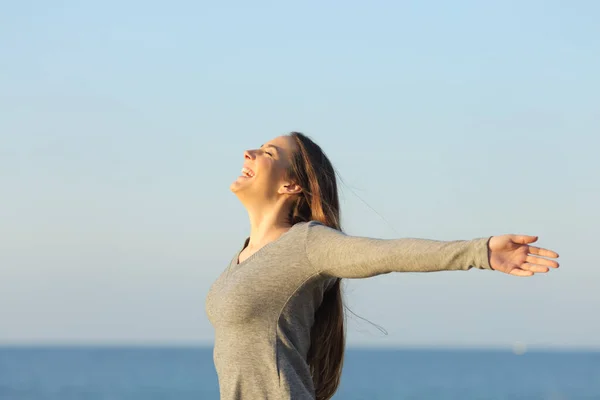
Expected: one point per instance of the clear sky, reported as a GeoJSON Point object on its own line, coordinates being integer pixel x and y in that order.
{"type": "Point", "coordinates": [122, 125]}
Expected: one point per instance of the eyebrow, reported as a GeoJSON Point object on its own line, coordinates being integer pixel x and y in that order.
{"type": "Point", "coordinates": [269, 145]}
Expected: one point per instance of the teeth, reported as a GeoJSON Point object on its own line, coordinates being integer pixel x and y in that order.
{"type": "Point", "coordinates": [247, 172]}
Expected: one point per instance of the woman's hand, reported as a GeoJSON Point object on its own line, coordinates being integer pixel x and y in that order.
{"type": "Point", "coordinates": [513, 255]}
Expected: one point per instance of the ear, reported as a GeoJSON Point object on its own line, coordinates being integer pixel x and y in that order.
{"type": "Point", "coordinates": [290, 188]}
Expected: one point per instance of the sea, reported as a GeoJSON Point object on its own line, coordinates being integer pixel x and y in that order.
{"type": "Point", "coordinates": [180, 373]}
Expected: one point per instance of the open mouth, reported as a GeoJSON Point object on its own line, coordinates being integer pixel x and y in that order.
{"type": "Point", "coordinates": [247, 173]}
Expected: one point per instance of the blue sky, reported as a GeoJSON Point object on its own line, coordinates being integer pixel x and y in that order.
{"type": "Point", "coordinates": [123, 124]}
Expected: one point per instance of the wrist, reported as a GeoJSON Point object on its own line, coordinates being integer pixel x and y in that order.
{"type": "Point", "coordinates": [489, 253]}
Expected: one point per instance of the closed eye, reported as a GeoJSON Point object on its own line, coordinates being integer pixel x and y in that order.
{"type": "Point", "coordinates": [265, 151]}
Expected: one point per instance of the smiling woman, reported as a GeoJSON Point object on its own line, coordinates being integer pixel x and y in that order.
{"type": "Point", "coordinates": [277, 308]}
{"type": "Point", "coordinates": [264, 168]}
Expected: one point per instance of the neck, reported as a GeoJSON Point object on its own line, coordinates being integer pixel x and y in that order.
{"type": "Point", "coordinates": [267, 224]}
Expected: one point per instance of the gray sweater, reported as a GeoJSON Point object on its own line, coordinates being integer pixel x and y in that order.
{"type": "Point", "coordinates": [263, 308]}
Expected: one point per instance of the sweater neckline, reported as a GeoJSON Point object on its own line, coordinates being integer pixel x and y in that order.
{"type": "Point", "coordinates": [236, 262]}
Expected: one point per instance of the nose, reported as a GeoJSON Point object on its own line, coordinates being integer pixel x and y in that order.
{"type": "Point", "coordinates": [248, 155]}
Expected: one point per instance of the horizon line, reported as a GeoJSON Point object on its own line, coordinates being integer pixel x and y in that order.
{"type": "Point", "coordinates": [357, 346]}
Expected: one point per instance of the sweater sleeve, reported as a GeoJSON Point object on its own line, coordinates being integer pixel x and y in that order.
{"type": "Point", "coordinates": [336, 254]}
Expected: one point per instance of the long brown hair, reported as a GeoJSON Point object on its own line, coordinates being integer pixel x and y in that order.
{"type": "Point", "coordinates": [319, 201]}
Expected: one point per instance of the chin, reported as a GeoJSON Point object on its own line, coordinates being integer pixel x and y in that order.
{"type": "Point", "coordinates": [242, 193]}
{"type": "Point", "coordinates": [236, 186]}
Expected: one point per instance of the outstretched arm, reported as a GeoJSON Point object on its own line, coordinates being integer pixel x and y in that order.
{"type": "Point", "coordinates": [336, 254]}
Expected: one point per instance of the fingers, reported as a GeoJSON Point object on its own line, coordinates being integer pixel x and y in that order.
{"type": "Point", "coordinates": [541, 261]}
{"type": "Point", "coordinates": [542, 252]}
{"type": "Point", "coordinates": [536, 268]}
{"type": "Point", "coordinates": [523, 239]}
{"type": "Point", "coordinates": [520, 272]}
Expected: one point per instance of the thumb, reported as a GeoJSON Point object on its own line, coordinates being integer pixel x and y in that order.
{"type": "Point", "coordinates": [523, 239]}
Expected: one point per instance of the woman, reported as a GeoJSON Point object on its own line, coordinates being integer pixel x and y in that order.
{"type": "Point", "coordinates": [277, 309]}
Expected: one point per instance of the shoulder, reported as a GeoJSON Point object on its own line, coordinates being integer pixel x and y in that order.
{"type": "Point", "coordinates": [316, 229]}
{"type": "Point", "coordinates": [311, 225]}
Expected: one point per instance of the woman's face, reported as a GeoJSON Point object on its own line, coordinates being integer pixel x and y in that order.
{"type": "Point", "coordinates": [264, 170]}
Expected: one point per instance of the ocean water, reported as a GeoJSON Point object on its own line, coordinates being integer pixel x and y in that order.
{"type": "Point", "coordinates": [187, 373]}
